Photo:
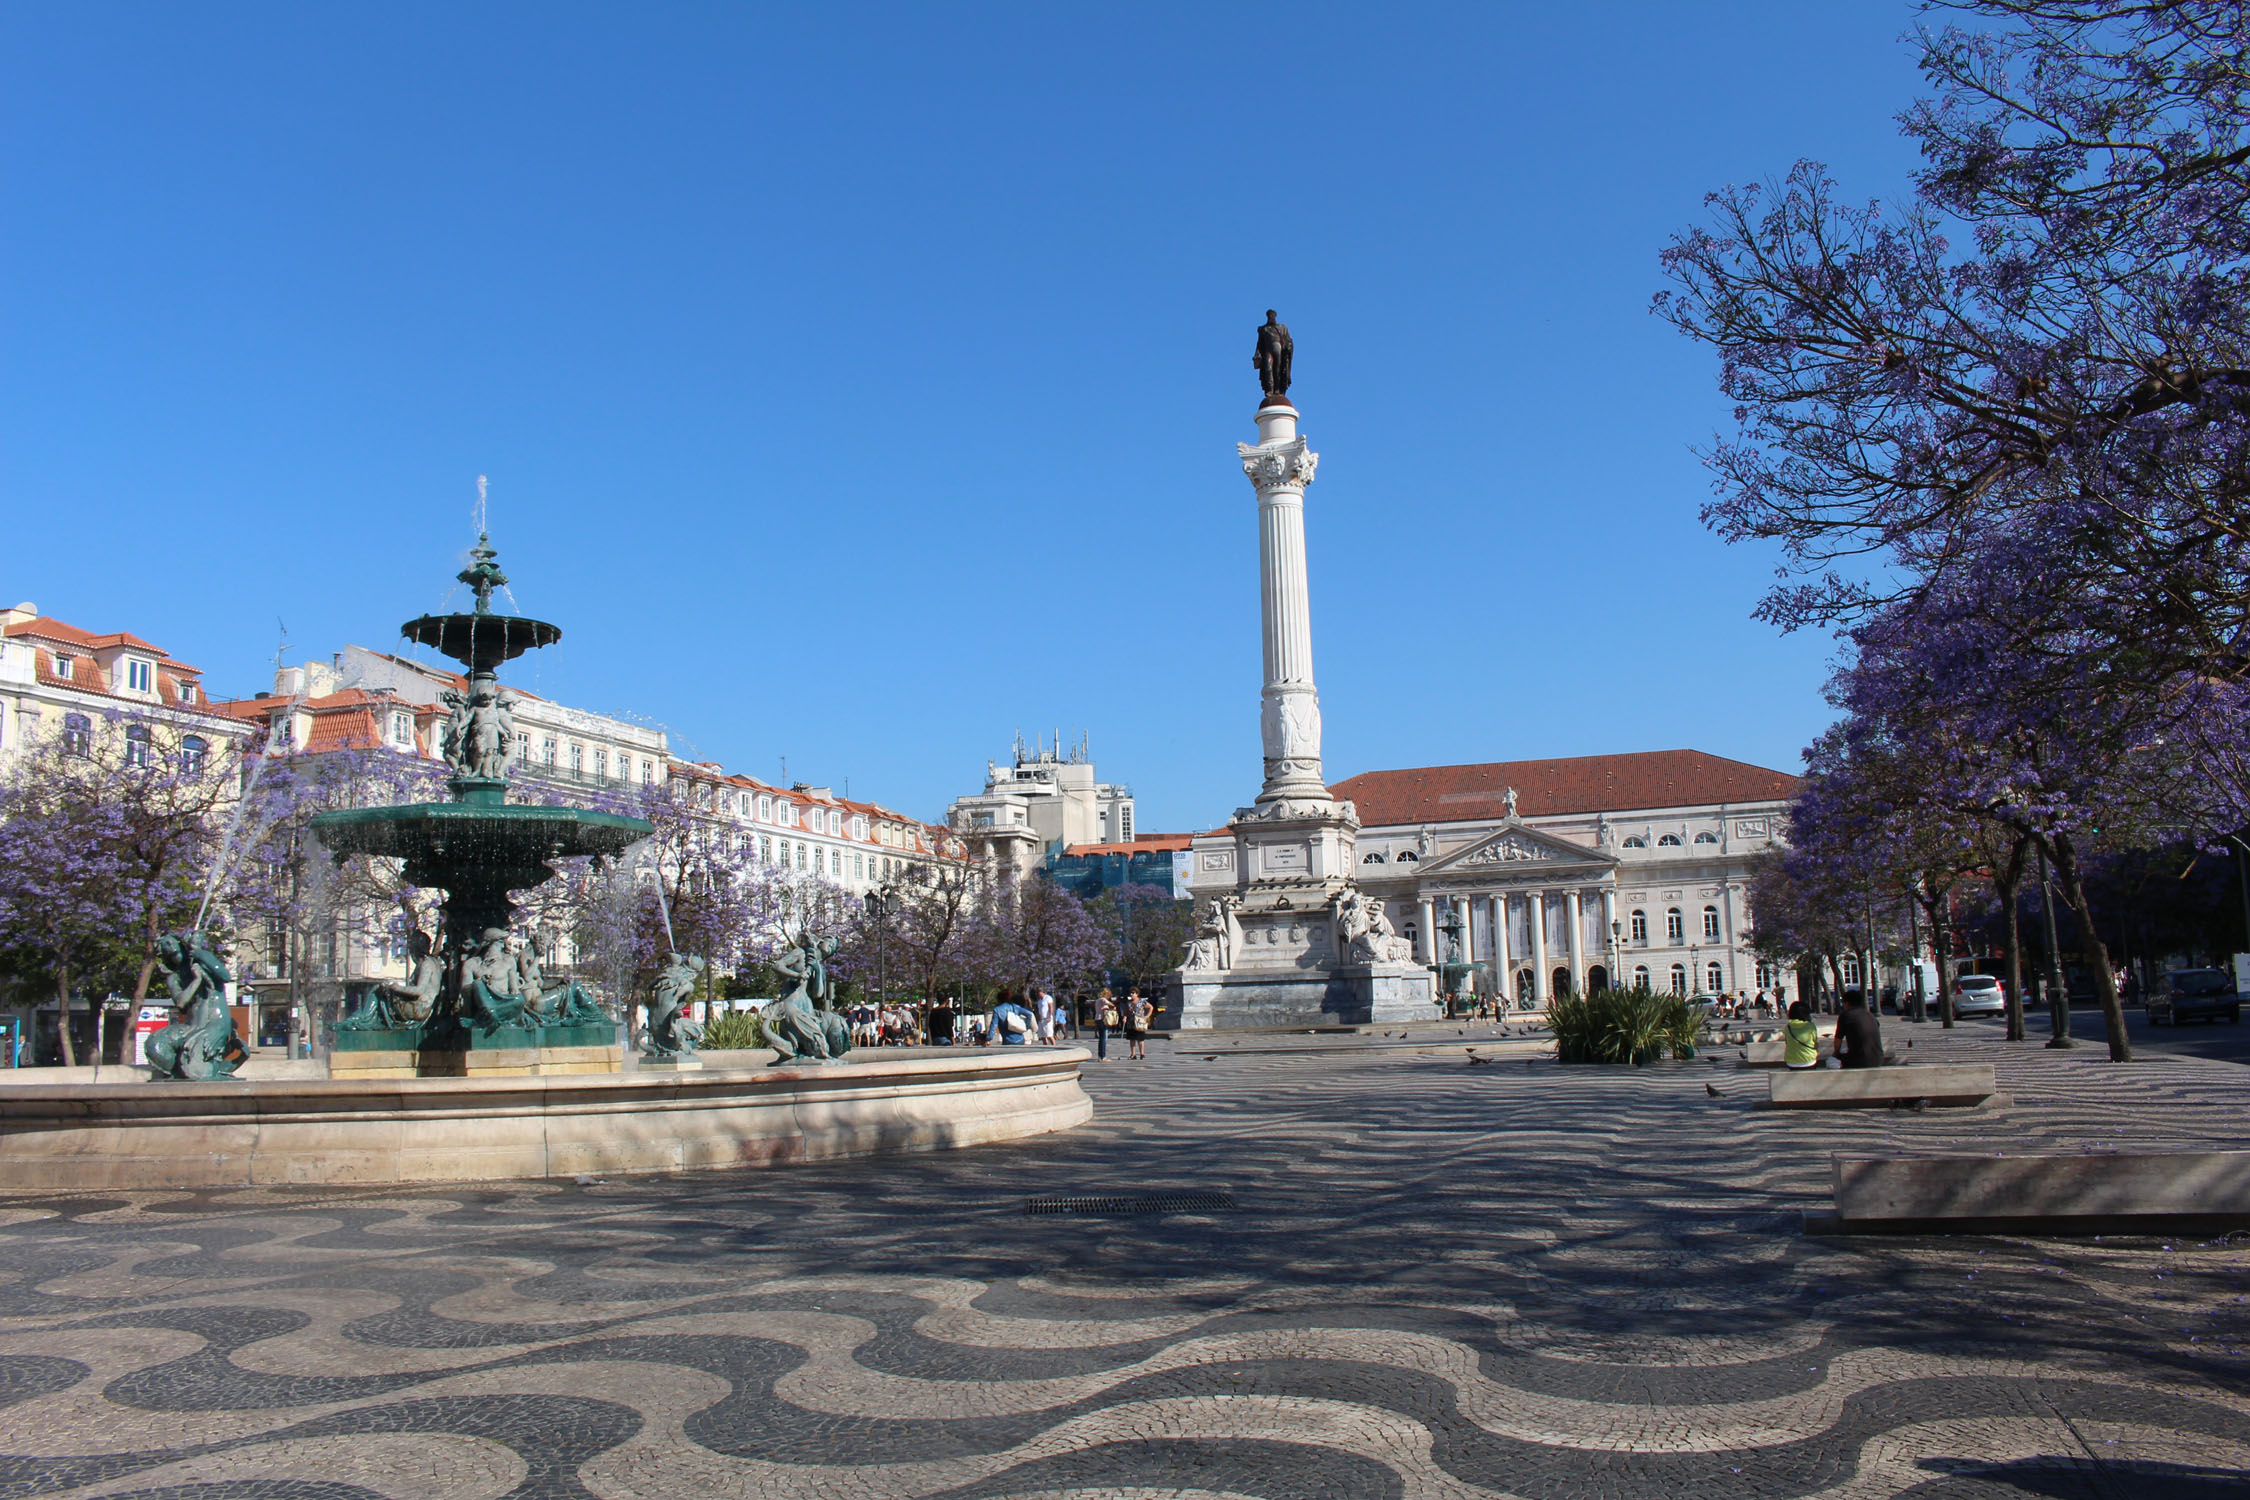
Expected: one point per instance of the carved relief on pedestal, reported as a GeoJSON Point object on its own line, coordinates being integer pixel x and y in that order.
{"type": "Point", "coordinates": [1289, 724]}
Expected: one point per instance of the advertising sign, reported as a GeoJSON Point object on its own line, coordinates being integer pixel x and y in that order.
{"type": "Point", "coordinates": [149, 1022]}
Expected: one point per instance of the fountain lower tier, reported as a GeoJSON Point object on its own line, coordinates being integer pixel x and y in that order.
{"type": "Point", "coordinates": [480, 850]}
{"type": "Point", "coordinates": [110, 1136]}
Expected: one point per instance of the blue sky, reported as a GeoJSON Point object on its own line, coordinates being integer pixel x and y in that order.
{"type": "Point", "coordinates": [859, 384]}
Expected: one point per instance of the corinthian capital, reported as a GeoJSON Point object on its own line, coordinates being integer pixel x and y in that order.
{"type": "Point", "coordinates": [1278, 465]}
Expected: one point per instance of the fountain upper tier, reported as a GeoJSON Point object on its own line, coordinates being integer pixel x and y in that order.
{"type": "Point", "coordinates": [483, 640]}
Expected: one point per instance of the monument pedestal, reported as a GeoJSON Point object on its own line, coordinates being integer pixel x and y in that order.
{"type": "Point", "coordinates": [1346, 995]}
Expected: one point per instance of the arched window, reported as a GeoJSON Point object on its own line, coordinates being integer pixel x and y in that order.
{"type": "Point", "coordinates": [1640, 976]}
{"type": "Point", "coordinates": [1714, 979]}
{"type": "Point", "coordinates": [1675, 930]}
{"type": "Point", "coordinates": [193, 752]}
{"type": "Point", "coordinates": [1765, 974]}
{"type": "Point", "coordinates": [1707, 838]}
{"type": "Point", "coordinates": [1710, 924]}
{"type": "Point", "coordinates": [1850, 966]}
{"type": "Point", "coordinates": [1408, 857]}
{"type": "Point", "coordinates": [77, 734]}
{"type": "Point", "coordinates": [1636, 842]}
{"type": "Point", "coordinates": [1640, 926]}
{"type": "Point", "coordinates": [1679, 979]}
{"type": "Point", "coordinates": [1375, 858]}
{"type": "Point", "coordinates": [1669, 841]}
{"type": "Point", "coordinates": [139, 747]}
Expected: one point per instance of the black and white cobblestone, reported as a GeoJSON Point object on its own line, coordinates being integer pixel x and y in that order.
{"type": "Point", "coordinates": [1439, 1280]}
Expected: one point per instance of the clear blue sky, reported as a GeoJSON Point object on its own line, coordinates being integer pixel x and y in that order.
{"type": "Point", "coordinates": [860, 384]}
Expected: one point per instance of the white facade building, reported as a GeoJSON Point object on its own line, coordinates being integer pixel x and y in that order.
{"type": "Point", "coordinates": [56, 679]}
{"type": "Point", "coordinates": [1566, 874]}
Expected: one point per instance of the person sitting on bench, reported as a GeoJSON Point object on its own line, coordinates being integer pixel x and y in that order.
{"type": "Point", "coordinates": [1800, 1039]}
{"type": "Point", "coordinates": [1859, 1036]}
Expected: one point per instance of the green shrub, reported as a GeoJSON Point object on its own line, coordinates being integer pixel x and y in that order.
{"type": "Point", "coordinates": [1624, 1026]}
{"type": "Point", "coordinates": [734, 1029]}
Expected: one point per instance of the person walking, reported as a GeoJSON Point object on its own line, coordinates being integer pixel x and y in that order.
{"type": "Point", "coordinates": [1043, 1005]}
{"type": "Point", "coordinates": [1138, 1013]}
{"type": "Point", "coordinates": [1105, 1017]}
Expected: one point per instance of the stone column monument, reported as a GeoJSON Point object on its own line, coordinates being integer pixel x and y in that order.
{"type": "Point", "coordinates": [1287, 938]}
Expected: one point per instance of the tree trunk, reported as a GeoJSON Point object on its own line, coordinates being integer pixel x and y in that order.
{"type": "Point", "coordinates": [2007, 881]}
{"type": "Point", "coordinates": [2097, 957]}
{"type": "Point", "coordinates": [62, 1015]}
{"type": "Point", "coordinates": [1941, 939]}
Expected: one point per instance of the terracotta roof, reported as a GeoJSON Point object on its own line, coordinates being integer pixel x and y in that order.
{"type": "Point", "coordinates": [1581, 784]}
{"type": "Point", "coordinates": [1142, 843]}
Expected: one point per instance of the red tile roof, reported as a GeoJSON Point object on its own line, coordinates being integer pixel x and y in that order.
{"type": "Point", "coordinates": [1142, 843]}
{"type": "Point", "coordinates": [1581, 784]}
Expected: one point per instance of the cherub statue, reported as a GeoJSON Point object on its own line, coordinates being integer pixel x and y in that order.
{"type": "Point", "coordinates": [200, 1042]}
{"type": "Point", "coordinates": [803, 1025]}
{"type": "Point", "coordinates": [487, 730]}
{"type": "Point", "coordinates": [453, 734]}
{"type": "Point", "coordinates": [670, 1032]}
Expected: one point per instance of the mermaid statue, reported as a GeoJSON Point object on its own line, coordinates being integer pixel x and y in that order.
{"type": "Point", "coordinates": [199, 1043]}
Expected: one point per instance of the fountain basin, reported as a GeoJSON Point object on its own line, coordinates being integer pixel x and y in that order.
{"type": "Point", "coordinates": [448, 837]}
{"type": "Point", "coordinates": [337, 1132]}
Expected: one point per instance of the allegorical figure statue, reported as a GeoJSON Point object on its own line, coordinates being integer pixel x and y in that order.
{"type": "Point", "coordinates": [393, 1003]}
{"type": "Point", "coordinates": [1272, 357]}
{"type": "Point", "coordinates": [670, 1032]}
{"type": "Point", "coordinates": [491, 988]}
{"type": "Point", "coordinates": [565, 1004]}
{"type": "Point", "coordinates": [803, 1025]}
{"type": "Point", "coordinates": [200, 1041]}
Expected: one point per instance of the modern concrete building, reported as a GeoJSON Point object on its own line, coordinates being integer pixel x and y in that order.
{"type": "Point", "coordinates": [1045, 800]}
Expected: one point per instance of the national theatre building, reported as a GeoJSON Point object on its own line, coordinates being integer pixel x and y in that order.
{"type": "Point", "coordinates": [1564, 873]}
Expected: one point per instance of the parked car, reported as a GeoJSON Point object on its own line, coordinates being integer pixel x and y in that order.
{"type": "Point", "coordinates": [2193, 995]}
{"type": "Point", "coordinates": [1979, 995]}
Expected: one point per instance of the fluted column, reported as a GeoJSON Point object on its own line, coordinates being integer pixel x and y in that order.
{"type": "Point", "coordinates": [1280, 465]}
{"type": "Point", "coordinates": [1539, 949]}
{"type": "Point", "coordinates": [1503, 963]}
{"type": "Point", "coordinates": [1577, 944]}
{"type": "Point", "coordinates": [1429, 931]}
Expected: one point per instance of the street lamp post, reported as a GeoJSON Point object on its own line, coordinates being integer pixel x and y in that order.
{"type": "Point", "coordinates": [882, 905]}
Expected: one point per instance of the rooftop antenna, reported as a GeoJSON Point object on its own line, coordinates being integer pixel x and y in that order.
{"type": "Point", "coordinates": [785, 770]}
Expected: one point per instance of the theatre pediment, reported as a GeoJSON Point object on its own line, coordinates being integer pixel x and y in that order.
{"type": "Point", "coordinates": [1516, 847]}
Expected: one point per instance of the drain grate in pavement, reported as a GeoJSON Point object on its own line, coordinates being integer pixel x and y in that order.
{"type": "Point", "coordinates": [1150, 1203]}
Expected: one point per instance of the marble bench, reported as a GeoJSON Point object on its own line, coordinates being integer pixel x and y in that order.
{"type": "Point", "coordinates": [1866, 1088]}
{"type": "Point", "coordinates": [2109, 1193]}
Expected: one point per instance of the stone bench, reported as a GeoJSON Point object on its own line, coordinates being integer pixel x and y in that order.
{"type": "Point", "coordinates": [1875, 1088]}
{"type": "Point", "coordinates": [2117, 1193]}
{"type": "Point", "coordinates": [1767, 1054]}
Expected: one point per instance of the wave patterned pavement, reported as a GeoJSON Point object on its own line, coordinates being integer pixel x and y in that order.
{"type": "Point", "coordinates": [1422, 1278]}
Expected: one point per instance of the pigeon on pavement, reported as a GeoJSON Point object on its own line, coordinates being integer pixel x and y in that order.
{"type": "Point", "coordinates": [1714, 1093]}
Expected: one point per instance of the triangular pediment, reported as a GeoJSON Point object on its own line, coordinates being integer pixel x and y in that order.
{"type": "Point", "coordinates": [1516, 845]}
